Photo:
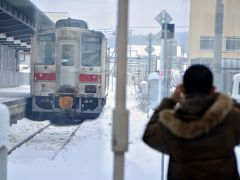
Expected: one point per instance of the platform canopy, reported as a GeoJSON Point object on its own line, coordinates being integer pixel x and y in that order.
{"type": "Point", "coordinates": [18, 20]}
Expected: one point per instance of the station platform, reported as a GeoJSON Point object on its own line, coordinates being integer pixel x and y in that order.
{"type": "Point", "coordinates": [16, 100]}
{"type": "Point", "coordinates": [14, 94]}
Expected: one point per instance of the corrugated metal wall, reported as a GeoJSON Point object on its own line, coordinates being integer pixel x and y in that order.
{"type": "Point", "coordinates": [9, 75]}
{"type": "Point", "coordinates": [13, 79]}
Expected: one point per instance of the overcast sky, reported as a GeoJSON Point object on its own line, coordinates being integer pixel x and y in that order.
{"type": "Point", "coordinates": [102, 13]}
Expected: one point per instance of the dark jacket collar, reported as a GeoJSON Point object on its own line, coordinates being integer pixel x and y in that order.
{"type": "Point", "coordinates": [214, 115]}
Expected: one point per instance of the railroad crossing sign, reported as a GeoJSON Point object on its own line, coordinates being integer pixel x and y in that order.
{"type": "Point", "coordinates": [149, 50]}
{"type": "Point", "coordinates": [163, 17]}
{"type": "Point", "coordinates": [149, 36]}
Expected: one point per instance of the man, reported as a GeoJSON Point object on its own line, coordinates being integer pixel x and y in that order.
{"type": "Point", "coordinates": [198, 128]}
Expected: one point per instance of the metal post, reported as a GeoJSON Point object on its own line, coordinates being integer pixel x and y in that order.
{"type": "Point", "coordinates": [164, 89]}
{"type": "Point", "coordinates": [108, 66]}
{"type": "Point", "coordinates": [163, 63]}
{"type": "Point", "coordinates": [218, 44]}
{"type": "Point", "coordinates": [120, 114]}
{"type": "Point", "coordinates": [164, 18]}
{"type": "Point", "coordinates": [149, 61]}
{"type": "Point", "coordinates": [4, 128]}
{"type": "Point", "coordinates": [130, 43]}
{"type": "Point", "coordinates": [149, 51]}
{"type": "Point", "coordinates": [33, 59]}
{"type": "Point", "coordinates": [165, 60]}
{"type": "Point", "coordinates": [162, 169]}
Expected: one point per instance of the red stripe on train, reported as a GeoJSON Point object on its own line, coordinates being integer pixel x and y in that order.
{"type": "Point", "coordinates": [90, 78]}
{"type": "Point", "coordinates": [44, 76]}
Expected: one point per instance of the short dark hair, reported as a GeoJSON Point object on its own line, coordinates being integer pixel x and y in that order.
{"type": "Point", "coordinates": [198, 79]}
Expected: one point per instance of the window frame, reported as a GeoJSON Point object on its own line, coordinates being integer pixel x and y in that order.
{"type": "Point", "coordinates": [206, 39]}
{"type": "Point", "coordinates": [235, 44]}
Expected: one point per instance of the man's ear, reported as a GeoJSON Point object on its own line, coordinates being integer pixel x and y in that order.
{"type": "Point", "coordinates": [213, 90]}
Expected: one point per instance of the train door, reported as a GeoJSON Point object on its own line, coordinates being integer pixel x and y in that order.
{"type": "Point", "coordinates": [68, 65]}
{"type": "Point", "coordinates": [43, 62]}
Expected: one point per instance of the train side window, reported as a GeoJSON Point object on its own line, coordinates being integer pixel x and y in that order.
{"type": "Point", "coordinates": [49, 54]}
{"type": "Point", "coordinates": [90, 51]}
{"type": "Point", "coordinates": [45, 50]}
{"type": "Point", "coordinates": [67, 55]}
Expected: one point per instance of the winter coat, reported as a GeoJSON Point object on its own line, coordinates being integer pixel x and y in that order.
{"type": "Point", "coordinates": [199, 134]}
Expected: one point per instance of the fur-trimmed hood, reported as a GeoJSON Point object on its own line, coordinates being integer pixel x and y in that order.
{"type": "Point", "coordinates": [214, 115]}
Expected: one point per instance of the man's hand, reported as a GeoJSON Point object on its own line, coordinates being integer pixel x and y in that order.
{"type": "Point", "coordinates": [178, 93]}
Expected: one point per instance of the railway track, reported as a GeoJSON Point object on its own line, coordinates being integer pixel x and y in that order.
{"type": "Point", "coordinates": [27, 139]}
{"type": "Point", "coordinates": [66, 142]}
{"type": "Point", "coordinates": [50, 137]}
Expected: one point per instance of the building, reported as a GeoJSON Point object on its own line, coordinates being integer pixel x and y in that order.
{"type": "Point", "coordinates": [55, 16]}
{"type": "Point", "coordinates": [202, 35]}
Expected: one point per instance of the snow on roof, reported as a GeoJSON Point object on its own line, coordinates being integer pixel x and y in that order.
{"type": "Point", "coordinates": [236, 76]}
{"type": "Point", "coordinates": [153, 75]}
{"type": "Point", "coordinates": [143, 82]}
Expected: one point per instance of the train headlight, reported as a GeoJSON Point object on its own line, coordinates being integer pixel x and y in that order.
{"type": "Point", "coordinates": [90, 89]}
{"type": "Point", "coordinates": [66, 102]}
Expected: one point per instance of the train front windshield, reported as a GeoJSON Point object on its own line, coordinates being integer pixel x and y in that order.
{"type": "Point", "coordinates": [90, 50]}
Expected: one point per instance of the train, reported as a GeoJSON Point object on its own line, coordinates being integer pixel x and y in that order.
{"type": "Point", "coordinates": [69, 73]}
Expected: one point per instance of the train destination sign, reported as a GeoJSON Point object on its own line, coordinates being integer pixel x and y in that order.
{"type": "Point", "coordinates": [46, 37]}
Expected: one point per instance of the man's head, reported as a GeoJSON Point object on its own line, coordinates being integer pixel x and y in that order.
{"type": "Point", "coordinates": [198, 79]}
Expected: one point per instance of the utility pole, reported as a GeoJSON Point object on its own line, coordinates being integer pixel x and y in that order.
{"type": "Point", "coordinates": [130, 43]}
{"type": "Point", "coordinates": [218, 44]}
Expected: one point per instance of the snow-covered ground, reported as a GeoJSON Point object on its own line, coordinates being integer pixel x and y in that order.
{"type": "Point", "coordinates": [89, 155]}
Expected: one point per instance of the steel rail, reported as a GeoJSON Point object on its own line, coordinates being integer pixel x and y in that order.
{"type": "Point", "coordinates": [28, 139]}
{"type": "Point", "coordinates": [66, 142]}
